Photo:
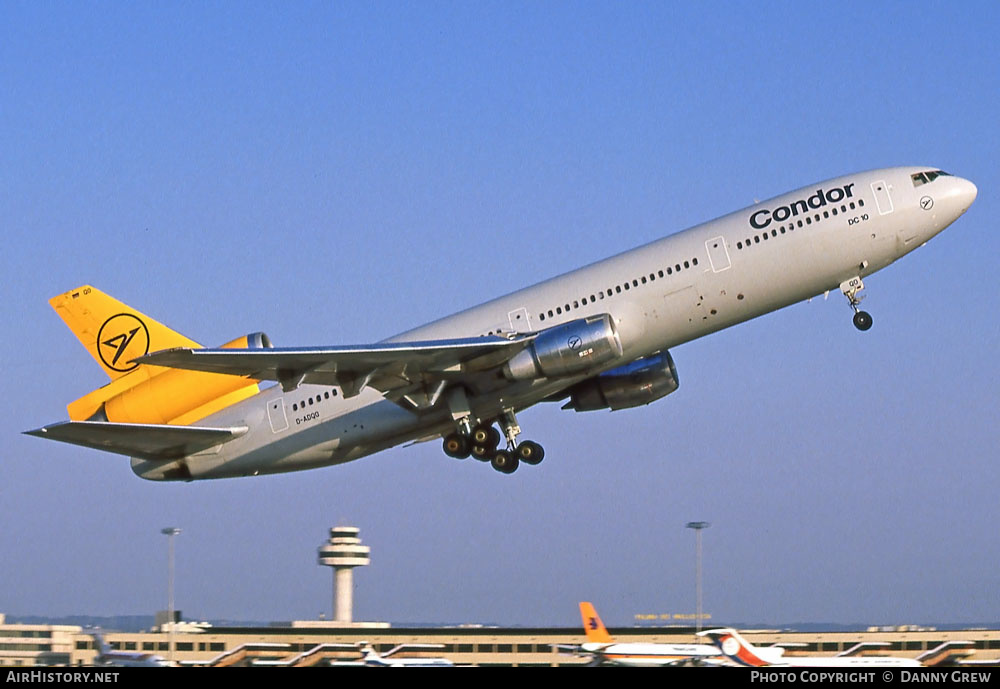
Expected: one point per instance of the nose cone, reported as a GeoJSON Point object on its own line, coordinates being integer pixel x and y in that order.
{"type": "Point", "coordinates": [967, 192]}
{"type": "Point", "coordinates": [955, 197]}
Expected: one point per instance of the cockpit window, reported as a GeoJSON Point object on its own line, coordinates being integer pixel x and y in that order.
{"type": "Point", "coordinates": [929, 176]}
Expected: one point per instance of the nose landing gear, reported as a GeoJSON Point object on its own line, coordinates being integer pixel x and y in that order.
{"type": "Point", "coordinates": [851, 289]}
{"type": "Point", "coordinates": [862, 320]}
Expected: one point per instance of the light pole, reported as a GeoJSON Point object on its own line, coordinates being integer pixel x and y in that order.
{"type": "Point", "coordinates": [698, 528]}
{"type": "Point", "coordinates": [170, 532]}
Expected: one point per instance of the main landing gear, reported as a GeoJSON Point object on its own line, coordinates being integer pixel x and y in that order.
{"type": "Point", "coordinates": [851, 288]}
{"type": "Point", "coordinates": [482, 442]}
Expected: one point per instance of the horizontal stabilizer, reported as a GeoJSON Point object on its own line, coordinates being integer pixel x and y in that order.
{"type": "Point", "coordinates": [148, 441]}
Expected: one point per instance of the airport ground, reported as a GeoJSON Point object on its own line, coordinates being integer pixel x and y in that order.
{"type": "Point", "coordinates": [29, 645]}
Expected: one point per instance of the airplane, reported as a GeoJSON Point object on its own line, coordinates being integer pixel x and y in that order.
{"type": "Point", "coordinates": [605, 651]}
{"type": "Point", "coordinates": [111, 658]}
{"type": "Point", "coordinates": [742, 652]}
{"type": "Point", "coordinates": [373, 658]}
{"type": "Point", "coordinates": [596, 338]}
{"type": "Point", "coordinates": [951, 653]}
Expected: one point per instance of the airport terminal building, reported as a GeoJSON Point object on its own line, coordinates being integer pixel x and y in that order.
{"type": "Point", "coordinates": [297, 644]}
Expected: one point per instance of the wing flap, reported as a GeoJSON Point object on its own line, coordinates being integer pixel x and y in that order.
{"type": "Point", "coordinates": [384, 366]}
{"type": "Point", "coordinates": [148, 441]}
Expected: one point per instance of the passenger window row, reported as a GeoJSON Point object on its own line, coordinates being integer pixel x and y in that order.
{"type": "Point", "coordinates": [789, 227]}
{"type": "Point", "coordinates": [617, 289]}
{"type": "Point", "coordinates": [314, 400]}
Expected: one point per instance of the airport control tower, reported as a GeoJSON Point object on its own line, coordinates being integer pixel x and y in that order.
{"type": "Point", "coordinates": [344, 552]}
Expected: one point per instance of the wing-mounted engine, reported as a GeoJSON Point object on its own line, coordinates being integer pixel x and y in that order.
{"type": "Point", "coordinates": [157, 395]}
{"type": "Point", "coordinates": [632, 385]}
{"type": "Point", "coordinates": [567, 349]}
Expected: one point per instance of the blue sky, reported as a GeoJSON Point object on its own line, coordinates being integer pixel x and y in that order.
{"type": "Point", "coordinates": [334, 173]}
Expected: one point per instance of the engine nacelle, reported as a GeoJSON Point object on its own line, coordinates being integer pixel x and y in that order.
{"type": "Point", "coordinates": [632, 385]}
{"type": "Point", "coordinates": [567, 349]}
{"type": "Point", "coordinates": [170, 395]}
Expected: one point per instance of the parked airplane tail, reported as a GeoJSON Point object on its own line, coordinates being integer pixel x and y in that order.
{"type": "Point", "coordinates": [115, 335]}
{"type": "Point", "coordinates": [100, 643]}
{"type": "Point", "coordinates": [592, 625]}
{"type": "Point", "coordinates": [741, 651]}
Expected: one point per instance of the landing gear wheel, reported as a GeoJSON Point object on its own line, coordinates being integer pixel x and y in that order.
{"type": "Point", "coordinates": [529, 452]}
{"type": "Point", "coordinates": [862, 320]}
{"type": "Point", "coordinates": [484, 435]}
{"type": "Point", "coordinates": [483, 453]}
{"type": "Point", "coordinates": [504, 462]}
{"type": "Point", "coordinates": [851, 289]}
{"type": "Point", "coordinates": [456, 445]}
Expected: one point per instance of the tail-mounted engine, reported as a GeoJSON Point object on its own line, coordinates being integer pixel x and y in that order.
{"type": "Point", "coordinates": [632, 385]}
{"type": "Point", "coordinates": [156, 395]}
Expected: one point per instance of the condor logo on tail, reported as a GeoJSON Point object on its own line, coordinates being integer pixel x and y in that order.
{"type": "Point", "coordinates": [122, 338]}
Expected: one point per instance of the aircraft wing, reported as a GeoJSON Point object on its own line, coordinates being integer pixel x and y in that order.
{"type": "Point", "coordinates": [412, 647]}
{"type": "Point", "coordinates": [149, 441]}
{"type": "Point", "coordinates": [388, 367]}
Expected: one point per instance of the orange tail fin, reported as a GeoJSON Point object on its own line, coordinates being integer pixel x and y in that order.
{"type": "Point", "coordinates": [592, 625]}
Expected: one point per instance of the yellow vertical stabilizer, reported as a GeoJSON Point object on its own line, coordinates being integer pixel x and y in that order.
{"type": "Point", "coordinates": [115, 335]}
{"type": "Point", "coordinates": [112, 332]}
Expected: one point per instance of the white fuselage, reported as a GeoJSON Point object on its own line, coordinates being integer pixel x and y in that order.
{"type": "Point", "coordinates": [858, 662]}
{"type": "Point", "coordinates": [740, 652]}
{"type": "Point", "coordinates": [660, 295]}
{"type": "Point", "coordinates": [652, 654]}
